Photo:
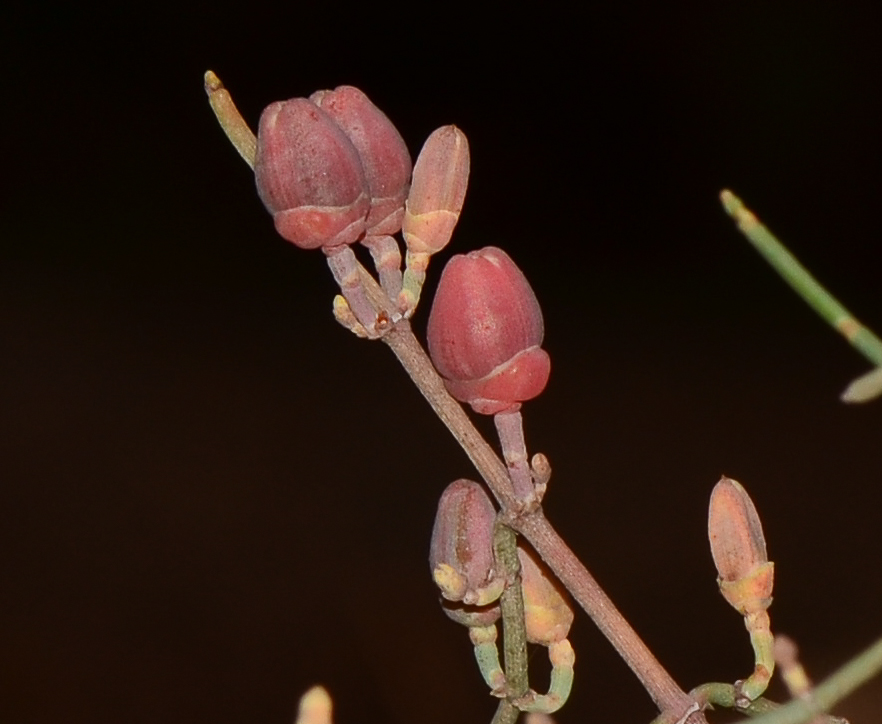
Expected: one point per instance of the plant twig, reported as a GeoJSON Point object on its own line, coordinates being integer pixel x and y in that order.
{"type": "Point", "coordinates": [514, 632]}
{"type": "Point", "coordinates": [804, 284]}
{"type": "Point", "coordinates": [726, 695]}
{"type": "Point", "coordinates": [670, 699]}
{"type": "Point", "coordinates": [665, 692]}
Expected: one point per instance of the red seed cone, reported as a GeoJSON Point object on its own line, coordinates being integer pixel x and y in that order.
{"type": "Point", "coordinates": [484, 332]}
{"type": "Point", "coordinates": [384, 155]}
{"type": "Point", "coordinates": [309, 176]}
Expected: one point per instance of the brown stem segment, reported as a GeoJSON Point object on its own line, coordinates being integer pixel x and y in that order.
{"type": "Point", "coordinates": [414, 359]}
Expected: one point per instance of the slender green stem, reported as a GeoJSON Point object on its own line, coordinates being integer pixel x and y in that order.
{"type": "Point", "coordinates": [798, 277]}
{"type": "Point", "coordinates": [514, 631]}
{"type": "Point", "coordinates": [725, 695]}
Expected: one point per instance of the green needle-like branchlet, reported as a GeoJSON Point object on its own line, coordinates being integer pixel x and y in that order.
{"type": "Point", "coordinates": [818, 298]}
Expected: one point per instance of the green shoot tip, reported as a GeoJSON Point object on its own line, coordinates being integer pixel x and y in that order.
{"type": "Point", "coordinates": [731, 203]}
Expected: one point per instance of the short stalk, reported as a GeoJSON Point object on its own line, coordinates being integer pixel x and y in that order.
{"type": "Point", "coordinates": [387, 260]}
{"type": "Point", "coordinates": [510, 426]}
{"type": "Point", "coordinates": [836, 687]}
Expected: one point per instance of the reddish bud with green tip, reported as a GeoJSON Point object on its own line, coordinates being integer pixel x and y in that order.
{"type": "Point", "coordinates": [484, 332]}
{"type": "Point", "coordinates": [461, 553]}
{"type": "Point", "coordinates": [310, 176]}
{"type": "Point", "coordinates": [384, 155]}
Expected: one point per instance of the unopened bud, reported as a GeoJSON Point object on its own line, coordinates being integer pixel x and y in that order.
{"type": "Point", "coordinates": [461, 553]}
{"type": "Point", "coordinates": [738, 548]}
{"type": "Point", "coordinates": [484, 332]}
{"type": "Point", "coordinates": [440, 178]}
{"type": "Point", "coordinates": [309, 176]}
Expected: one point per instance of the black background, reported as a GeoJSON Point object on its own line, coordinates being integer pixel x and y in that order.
{"type": "Point", "coordinates": [213, 497]}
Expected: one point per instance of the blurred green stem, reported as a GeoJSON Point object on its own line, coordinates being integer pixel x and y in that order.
{"type": "Point", "coordinates": [855, 673]}
{"type": "Point", "coordinates": [803, 283]}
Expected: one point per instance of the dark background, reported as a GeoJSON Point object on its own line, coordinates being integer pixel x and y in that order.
{"type": "Point", "coordinates": [213, 497]}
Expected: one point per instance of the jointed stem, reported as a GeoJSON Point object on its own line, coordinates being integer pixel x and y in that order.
{"type": "Point", "coordinates": [803, 283]}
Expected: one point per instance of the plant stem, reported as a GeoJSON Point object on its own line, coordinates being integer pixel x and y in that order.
{"type": "Point", "coordinates": [803, 283]}
{"type": "Point", "coordinates": [514, 631]}
{"type": "Point", "coordinates": [506, 713]}
{"type": "Point", "coordinates": [510, 427]}
{"type": "Point", "coordinates": [416, 362]}
{"type": "Point", "coordinates": [726, 695]}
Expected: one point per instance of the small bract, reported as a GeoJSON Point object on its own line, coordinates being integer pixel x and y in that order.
{"type": "Point", "coordinates": [485, 331]}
